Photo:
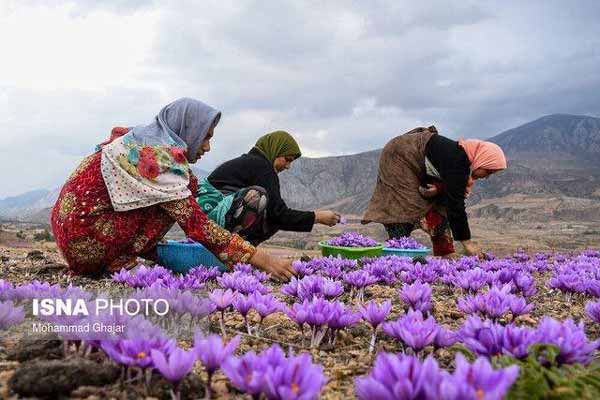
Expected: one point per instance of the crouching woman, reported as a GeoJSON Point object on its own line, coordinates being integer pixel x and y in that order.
{"type": "Point", "coordinates": [244, 195]}
{"type": "Point", "coordinates": [122, 200]}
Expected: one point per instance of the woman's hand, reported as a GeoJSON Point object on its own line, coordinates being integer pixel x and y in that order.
{"type": "Point", "coordinates": [472, 249]}
{"type": "Point", "coordinates": [327, 217]}
{"type": "Point", "coordinates": [429, 191]}
{"type": "Point", "coordinates": [278, 267]}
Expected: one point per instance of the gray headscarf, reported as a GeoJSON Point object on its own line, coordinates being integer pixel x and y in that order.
{"type": "Point", "coordinates": [184, 123]}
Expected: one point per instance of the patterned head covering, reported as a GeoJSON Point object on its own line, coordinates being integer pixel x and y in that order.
{"type": "Point", "coordinates": [278, 144]}
{"type": "Point", "coordinates": [184, 123]}
{"type": "Point", "coordinates": [148, 164]}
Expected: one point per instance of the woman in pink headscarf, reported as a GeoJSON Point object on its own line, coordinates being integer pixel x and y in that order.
{"type": "Point", "coordinates": [423, 181]}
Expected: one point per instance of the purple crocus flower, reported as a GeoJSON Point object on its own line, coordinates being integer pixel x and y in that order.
{"type": "Point", "coordinates": [6, 290]}
{"type": "Point", "coordinates": [266, 304]}
{"type": "Point", "coordinates": [246, 373]}
{"type": "Point", "coordinates": [569, 337]}
{"type": "Point", "coordinates": [417, 296]}
{"type": "Point", "coordinates": [414, 331]}
{"type": "Point", "coordinates": [298, 313]}
{"type": "Point", "coordinates": [592, 309]}
{"type": "Point", "coordinates": [568, 283]}
{"type": "Point", "coordinates": [444, 338]}
{"type": "Point", "coordinates": [222, 299]}
{"type": "Point", "coordinates": [375, 314]}
{"type": "Point", "coordinates": [341, 318]}
{"type": "Point", "coordinates": [243, 305]}
{"type": "Point", "coordinates": [485, 338]}
{"type": "Point", "coordinates": [401, 377]}
{"type": "Point", "coordinates": [525, 283]}
{"type": "Point", "coordinates": [478, 380]}
{"type": "Point", "coordinates": [296, 378]}
{"type": "Point", "coordinates": [277, 377]}
{"type": "Point", "coordinates": [592, 287]}
{"type": "Point", "coordinates": [10, 315]}
{"type": "Point", "coordinates": [471, 280]}
{"type": "Point", "coordinates": [137, 352]}
{"type": "Point", "coordinates": [359, 280]}
{"type": "Point", "coordinates": [332, 289]}
{"type": "Point", "coordinates": [291, 288]}
{"type": "Point", "coordinates": [519, 306]}
{"type": "Point", "coordinates": [244, 268]}
{"type": "Point", "coordinates": [383, 273]}
{"type": "Point", "coordinates": [517, 339]}
{"type": "Point", "coordinates": [211, 351]}
{"type": "Point", "coordinates": [316, 314]}
{"type": "Point", "coordinates": [174, 366]}
{"type": "Point", "coordinates": [302, 268]}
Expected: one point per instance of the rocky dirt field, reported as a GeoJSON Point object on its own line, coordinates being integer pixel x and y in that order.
{"type": "Point", "coordinates": [42, 365]}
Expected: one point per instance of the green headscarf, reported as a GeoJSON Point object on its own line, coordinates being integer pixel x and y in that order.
{"type": "Point", "coordinates": [278, 144]}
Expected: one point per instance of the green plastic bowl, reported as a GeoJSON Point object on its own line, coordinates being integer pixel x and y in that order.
{"type": "Point", "coordinates": [412, 253]}
{"type": "Point", "coordinates": [353, 253]}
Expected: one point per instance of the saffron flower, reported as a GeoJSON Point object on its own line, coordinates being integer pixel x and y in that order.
{"type": "Point", "coordinates": [444, 338]}
{"type": "Point", "coordinates": [6, 290]}
{"type": "Point", "coordinates": [211, 351]}
{"type": "Point", "coordinates": [592, 309]}
{"type": "Point", "coordinates": [478, 380]}
{"type": "Point", "coordinates": [265, 305]}
{"type": "Point", "coordinates": [399, 376]}
{"type": "Point", "coordinates": [137, 352]}
{"type": "Point", "coordinates": [417, 296]}
{"type": "Point", "coordinates": [485, 338]}
{"type": "Point", "coordinates": [569, 337]}
{"type": "Point", "coordinates": [375, 315]}
{"type": "Point", "coordinates": [174, 366]}
{"type": "Point", "coordinates": [517, 339]}
{"type": "Point", "coordinates": [243, 305]}
{"type": "Point", "coordinates": [359, 280]}
{"type": "Point", "coordinates": [10, 315]}
{"type": "Point", "coordinates": [277, 377]}
{"type": "Point", "coordinates": [341, 318]}
{"type": "Point", "coordinates": [246, 373]}
{"type": "Point", "coordinates": [222, 299]}
{"type": "Point", "coordinates": [414, 331]}
{"type": "Point", "coordinates": [296, 378]}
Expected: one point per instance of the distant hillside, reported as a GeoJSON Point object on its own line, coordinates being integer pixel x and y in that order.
{"type": "Point", "coordinates": [557, 140]}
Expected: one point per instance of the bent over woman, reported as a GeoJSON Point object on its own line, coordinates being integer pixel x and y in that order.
{"type": "Point", "coordinates": [122, 200]}
{"type": "Point", "coordinates": [244, 194]}
{"type": "Point", "coordinates": [423, 181]}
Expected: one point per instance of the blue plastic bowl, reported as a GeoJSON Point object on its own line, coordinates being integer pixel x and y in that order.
{"type": "Point", "coordinates": [412, 253]}
{"type": "Point", "coordinates": [181, 257]}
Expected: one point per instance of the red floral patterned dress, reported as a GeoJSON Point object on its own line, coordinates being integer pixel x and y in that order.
{"type": "Point", "coordinates": [93, 237]}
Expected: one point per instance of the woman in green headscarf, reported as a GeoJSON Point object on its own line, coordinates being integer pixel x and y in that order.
{"type": "Point", "coordinates": [244, 196]}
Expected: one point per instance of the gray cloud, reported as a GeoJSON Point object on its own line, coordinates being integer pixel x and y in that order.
{"type": "Point", "coordinates": [343, 76]}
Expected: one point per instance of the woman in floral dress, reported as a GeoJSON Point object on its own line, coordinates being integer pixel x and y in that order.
{"type": "Point", "coordinates": [122, 199]}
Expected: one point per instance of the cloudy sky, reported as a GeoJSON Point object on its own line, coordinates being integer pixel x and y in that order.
{"type": "Point", "coordinates": [343, 76]}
